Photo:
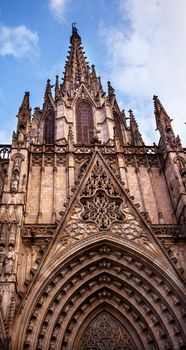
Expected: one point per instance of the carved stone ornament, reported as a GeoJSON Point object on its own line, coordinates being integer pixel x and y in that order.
{"type": "Point", "coordinates": [14, 182]}
{"type": "Point", "coordinates": [102, 208]}
{"type": "Point", "coordinates": [9, 261]}
{"type": "Point", "coordinates": [101, 202]}
{"type": "Point", "coordinates": [105, 332]}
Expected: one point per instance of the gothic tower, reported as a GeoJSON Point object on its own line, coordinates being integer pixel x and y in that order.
{"type": "Point", "coordinates": [92, 223]}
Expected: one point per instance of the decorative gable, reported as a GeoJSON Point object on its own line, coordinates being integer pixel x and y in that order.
{"type": "Point", "coordinates": [99, 206]}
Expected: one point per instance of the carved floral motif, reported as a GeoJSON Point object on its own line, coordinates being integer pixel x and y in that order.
{"type": "Point", "coordinates": [102, 209]}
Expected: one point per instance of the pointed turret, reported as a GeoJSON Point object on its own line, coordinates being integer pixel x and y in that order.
{"type": "Point", "coordinates": [76, 69]}
{"type": "Point", "coordinates": [162, 118]}
{"type": "Point", "coordinates": [111, 91]}
{"type": "Point", "coordinates": [57, 91]}
{"type": "Point", "coordinates": [136, 135]}
{"type": "Point", "coordinates": [94, 80]}
{"type": "Point", "coordinates": [24, 114]}
{"type": "Point", "coordinates": [168, 141]}
{"type": "Point", "coordinates": [47, 97]}
{"type": "Point", "coordinates": [100, 85]}
{"type": "Point", "coordinates": [24, 118]}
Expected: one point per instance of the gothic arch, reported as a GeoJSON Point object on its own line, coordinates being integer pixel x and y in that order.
{"type": "Point", "coordinates": [49, 127]}
{"type": "Point", "coordinates": [84, 122]}
{"type": "Point", "coordinates": [106, 307]}
{"type": "Point", "coordinates": [102, 272]}
{"type": "Point", "coordinates": [118, 127]}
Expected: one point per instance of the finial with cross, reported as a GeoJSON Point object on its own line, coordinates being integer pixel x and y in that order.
{"type": "Point", "coordinates": [74, 29]}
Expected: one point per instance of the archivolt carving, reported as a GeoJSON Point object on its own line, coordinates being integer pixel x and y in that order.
{"type": "Point", "coordinates": [116, 277]}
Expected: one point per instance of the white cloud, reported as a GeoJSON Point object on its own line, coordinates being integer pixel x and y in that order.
{"type": "Point", "coordinates": [4, 137]}
{"type": "Point", "coordinates": [17, 41]}
{"type": "Point", "coordinates": [57, 8]}
{"type": "Point", "coordinates": [148, 54]}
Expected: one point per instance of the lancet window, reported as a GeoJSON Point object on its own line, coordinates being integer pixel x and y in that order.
{"type": "Point", "coordinates": [49, 125]}
{"type": "Point", "coordinates": [118, 128]}
{"type": "Point", "coordinates": [84, 122]}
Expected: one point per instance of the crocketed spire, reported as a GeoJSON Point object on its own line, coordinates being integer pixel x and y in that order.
{"type": "Point", "coordinates": [77, 69]}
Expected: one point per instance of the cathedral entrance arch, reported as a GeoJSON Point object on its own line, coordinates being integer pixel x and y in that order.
{"type": "Point", "coordinates": [101, 280]}
{"type": "Point", "coordinates": [105, 329]}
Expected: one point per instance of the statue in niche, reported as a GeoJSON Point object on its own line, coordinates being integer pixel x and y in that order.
{"type": "Point", "coordinates": [3, 233]}
{"type": "Point", "coordinates": [12, 236]}
{"type": "Point", "coordinates": [9, 261]}
{"type": "Point", "coordinates": [17, 161]}
{"type": "Point", "coordinates": [14, 182]}
{"type": "Point", "coordinates": [24, 183]}
{"type": "Point", "coordinates": [21, 136]}
{"type": "Point", "coordinates": [2, 258]}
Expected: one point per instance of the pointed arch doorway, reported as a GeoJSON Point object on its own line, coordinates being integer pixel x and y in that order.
{"type": "Point", "coordinates": [105, 333]}
{"type": "Point", "coordinates": [106, 329]}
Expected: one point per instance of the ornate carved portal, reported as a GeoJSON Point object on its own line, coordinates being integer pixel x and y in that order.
{"type": "Point", "coordinates": [105, 332]}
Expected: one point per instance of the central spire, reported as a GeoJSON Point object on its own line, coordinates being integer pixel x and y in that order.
{"type": "Point", "coordinates": [77, 69]}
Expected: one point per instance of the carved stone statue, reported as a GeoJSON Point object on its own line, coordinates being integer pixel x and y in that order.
{"type": "Point", "coordinates": [14, 182]}
{"type": "Point", "coordinates": [3, 231]}
{"type": "Point", "coordinates": [9, 261]}
{"type": "Point", "coordinates": [2, 258]}
{"type": "Point", "coordinates": [21, 137]}
{"type": "Point", "coordinates": [12, 236]}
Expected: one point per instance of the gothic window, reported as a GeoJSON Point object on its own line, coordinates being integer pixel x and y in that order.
{"type": "Point", "coordinates": [106, 333]}
{"type": "Point", "coordinates": [49, 124]}
{"type": "Point", "coordinates": [84, 122]}
{"type": "Point", "coordinates": [118, 129]}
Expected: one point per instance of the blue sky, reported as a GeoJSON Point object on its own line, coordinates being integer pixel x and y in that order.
{"type": "Point", "coordinates": [138, 45]}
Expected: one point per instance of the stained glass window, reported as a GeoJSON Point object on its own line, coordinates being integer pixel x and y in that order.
{"type": "Point", "coordinates": [84, 122]}
{"type": "Point", "coordinates": [49, 124]}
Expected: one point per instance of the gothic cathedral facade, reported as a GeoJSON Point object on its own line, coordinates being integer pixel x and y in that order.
{"type": "Point", "coordinates": [92, 223]}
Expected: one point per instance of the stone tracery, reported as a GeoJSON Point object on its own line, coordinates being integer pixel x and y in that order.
{"type": "Point", "coordinates": [105, 333]}
{"type": "Point", "coordinates": [101, 209]}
